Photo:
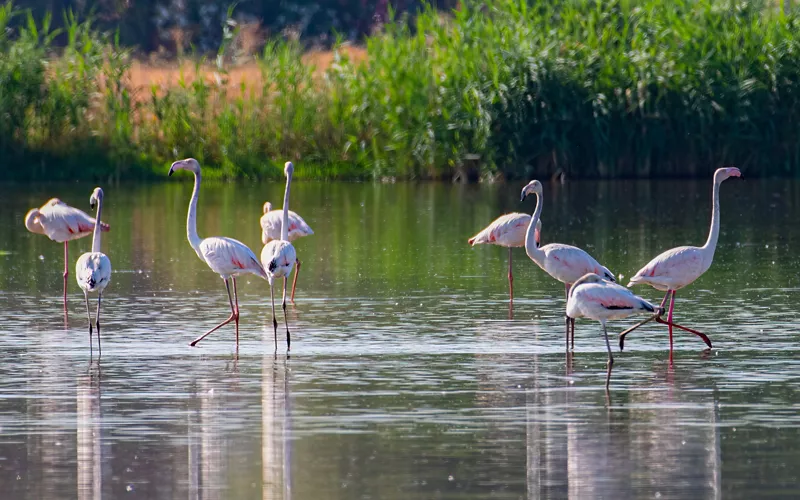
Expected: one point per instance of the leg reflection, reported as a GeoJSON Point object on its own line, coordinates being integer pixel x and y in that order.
{"type": "Point", "coordinates": [276, 431]}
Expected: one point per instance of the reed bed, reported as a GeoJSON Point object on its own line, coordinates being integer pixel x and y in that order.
{"type": "Point", "coordinates": [599, 89]}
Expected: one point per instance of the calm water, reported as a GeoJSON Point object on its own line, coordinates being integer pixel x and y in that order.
{"type": "Point", "coordinates": [407, 379]}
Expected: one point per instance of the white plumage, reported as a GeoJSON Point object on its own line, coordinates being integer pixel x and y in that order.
{"type": "Point", "coordinates": [278, 257]}
{"type": "Point", "coordinates": [594, 298]}
{"type": "Point", "coordinates": [271, 224]}
{"type": "Point", "coordinates": [93, 269]}
{"type": "Point", "coordinates": [225, 256]}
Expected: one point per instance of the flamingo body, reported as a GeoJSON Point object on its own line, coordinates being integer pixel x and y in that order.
{"type": "Point", "coordinates": [61, 222]}
{"type": "Point", "coordinates": [278, 257]}
{"type": "Point", "coordinates": [93, 271]}
{"type": "Point", "coordinates": [271, 223]}
{"type": "Point", "coordinates": [506, 231]}
{"type": "Point", "coordinates": [567, 263]}
{"type": "Point", "coordinates": [229, 257]}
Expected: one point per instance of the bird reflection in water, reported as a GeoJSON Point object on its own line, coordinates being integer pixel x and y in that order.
{"type": "Point", "coordinates": [276, 430]}
{"type": "Point", "coordinates": [92, 456]}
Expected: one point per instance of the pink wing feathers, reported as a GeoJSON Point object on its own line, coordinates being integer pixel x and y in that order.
{"type": "Point", "coordinates": [229, 257]}
{"type": "Point", "coordinates": [567, 263]}
{"type": "Point", "coordinates": [507, 230]}
{"type": "Point", "coordinates": [62, 222]}
{"type": "Point", "coordinates": [672, 269]}
{"type": "Point", "coordinates": [271, 226]}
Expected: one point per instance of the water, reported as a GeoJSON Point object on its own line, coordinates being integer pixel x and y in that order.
{"type": "Point", "coordinates": [407, 379]}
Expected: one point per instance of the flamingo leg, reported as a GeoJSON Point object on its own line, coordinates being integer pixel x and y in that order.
{"type": "Point", "coordinates": [699, 334]}
{"type": "Point", "coordinates": [274, 321]}
{"type": "Point", "coordinates": [637, 325]}
{"type": "Point", "coordinates": [294, 281]}
{"type": "Point", "coordinates": [669, 319]}
{"type": "Point", "coordinates": [510, 278]}
{"type": "Point", "coordinates": [89, 315]}
{"type": "Point", "coordinates": [66, 271]}
{"type": "Point", "coordinates": [567, 319]}
{"type": "Point", "coordinates": [97, 324]}
{"type": "Point", "coordinates": [285, 318]}
{"type": "Point", "coordinates": [230, 300]}
{"type": "Point", "coordinates": [236, 309]}
{"type": "Point", "coordinates": [610, 356]}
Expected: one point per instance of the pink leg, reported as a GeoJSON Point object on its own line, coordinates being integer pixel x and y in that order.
{"type": "Point", "coordinates": [510, 278]}
{"type": "Point", "coordinates": [294, 281]}
{"type": "Point", "coordinates": [230, 318]}
{"type": "Point", "coordinates": [66, 271]}
{"type": "Point", "coordinates": [236, 310]}
{"type": "Point", "coordinates": [669, 319]}
{"type": "Point", "coordinates": [568, 321]}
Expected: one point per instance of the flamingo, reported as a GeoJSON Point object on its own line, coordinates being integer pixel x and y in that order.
{"type": "Point", "coordinates": [93, 269]}
{"type": "Point", "coordinates": [225, 256]}
{"type": "Point", "coordinates": [271, 230]}
{"type": "Point", "coordinates": [679, 267]}
{"type": "Point", "coordinates": [565, 263]}
{"type": "Point", "coordinates": [594, 298]}
{"type": "Point", "coordinates": [278, 257]}
{"type": "Point", "coordinates": [507, 231]}
{"type": "Point", "coordinates": [61, 223]}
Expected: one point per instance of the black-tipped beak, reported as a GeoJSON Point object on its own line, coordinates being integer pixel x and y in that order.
{"type": "Point", "coordinates": [92, 204]}
{"type": "Point", "coordinates": [522, 198]}
{"type": "Point", "coordinates": [171, 169]}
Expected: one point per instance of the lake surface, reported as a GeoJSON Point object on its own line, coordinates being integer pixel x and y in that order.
{"type": "Point", "coordinates": [406, 379]}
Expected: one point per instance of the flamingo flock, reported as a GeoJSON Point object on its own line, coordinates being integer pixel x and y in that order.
{"type": "Point", "coordinates": [591, 289]}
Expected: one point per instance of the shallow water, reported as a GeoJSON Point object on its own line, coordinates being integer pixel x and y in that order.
{"type": "Point", "coordinates": [407, 379]}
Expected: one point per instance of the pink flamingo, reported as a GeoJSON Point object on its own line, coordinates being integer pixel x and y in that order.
{"type": "Point", "coordinates": [565, 263]}
{"type": "Point", "coordinates": [507, 231]}
{"type": "Point", "coordinates": [594, 298]}
{"type": "Point", "coordinates": [225, 256]}
{"type": "Point", "coordinates": [271, 224]}
{"type": "Point", "coordinates": [278, 257]}
{"type": "Point", "coordinates": [677, 268]}
{"type": "Point", "coordinates": [62, 223]}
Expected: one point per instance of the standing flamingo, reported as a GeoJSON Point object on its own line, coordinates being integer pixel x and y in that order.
{"type": "Point", "coordinates": [271, 223]}
{"type": "Point", "coordinates": [93, 269]}
{"type": "Point", "coordinates": [676, 268]}
{"type": "Point", "coordinates": [563, 262]}
{"type": "Point", "coordinates": [278, 257]}
{"type": "Point", "coordinates": [507, 231]}
{"type": "Point", "coordinates": [594, 298]}
{"type": "Point", "coordinates": [62, 223]}
{"type": "Point", "coordinates": [225, 256]}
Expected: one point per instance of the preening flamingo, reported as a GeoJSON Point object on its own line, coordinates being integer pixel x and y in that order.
{"type": "Point", "coordinates": [278, 257]}
{"type": "Point", "coordinates": [594, 298]}
{"type": "Point", "coordinates": [565, 263]}
{"type": "Point", "coordinates": [271, 223]}
{"type": "Point", "coordinates": [62, 223]}
{"type": "Point", "coordinates": [507, 231]}
{"type": "Point", "coordinates": [93, 269]}
{"type": "Point", "coordinates": [225, 256]}
{"type": "Point", "coordinates": [676, 268]}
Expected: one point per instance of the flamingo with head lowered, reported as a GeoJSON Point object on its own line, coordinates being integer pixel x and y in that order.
{"type": "Point", "coordinates": [93, 269]}
{"type": "Point", "coordinates": [278, 257]}
{"type": "Point", "coordinates": [225, 256]}
{"type": "Point", "coordinates": [594, 298]}
{"type": "Point", "coordinates": [62, 223]}
{"type": "Point", "coordinates": [679, 267]}
{"type": "Point", "coordinates": [271, 224]}
{"type": "Point", "coordinates": [507, 231]}
{"type": "Point", "coordinates": [565, 263]}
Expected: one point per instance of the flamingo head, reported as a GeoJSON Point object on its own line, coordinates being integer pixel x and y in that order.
{"type": "Point", "coordinates": [537, 233]}
{"type": "Point", "coordinates": [533, 187]}
{"type": "Point", "coordinates": [288, 169]}
{"type": "Point", "coordinates": [32, 223]}
{"type": "Point", "coordinates": [189, 164]}
{"type": "Point", "coordinates": [728, 171]}
{"type": "Point", "coordinates": [97, 197]}
{"type": "Point", "coordinates": [267, 206]}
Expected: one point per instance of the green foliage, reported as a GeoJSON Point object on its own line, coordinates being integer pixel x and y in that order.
{"type": "Point", "coordinates": [619, 88]}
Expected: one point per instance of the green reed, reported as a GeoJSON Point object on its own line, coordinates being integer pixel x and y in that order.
{"type": "Point", "coordinates": [618, 88]}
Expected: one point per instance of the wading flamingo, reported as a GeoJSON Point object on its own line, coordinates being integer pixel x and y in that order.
{"type": "Point", "coordinates": [225, 256]}
{"type": "Point", "coordinates": [676, 268]}
{"type": "Point", "coordinates": [271, 223]}
{"type": "Point", "coordinates": [507, 231]}
{"type": "Point", "coordinates": [93, 269]}
{"type": "Point", "coordinates": [563, 262]}
{"type": "Point", "coordinates": [61, 223]}
{"type": "Point", "coordinates": [594, 298]}
{"type": "Point", "coordinates": [278, 257]}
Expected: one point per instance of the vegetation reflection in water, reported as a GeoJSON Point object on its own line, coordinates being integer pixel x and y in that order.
{"type": "Point", "coordinates": [407, 378]}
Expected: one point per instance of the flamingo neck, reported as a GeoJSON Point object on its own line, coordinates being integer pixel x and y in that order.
{"type": "Point", "coordinates": [531, 248]}
{"type": "Point", "coordinates": [285, 222]}
{"type": "Point", "coordinates": [97, 229]}
{"type": "Point", "coordinates": [191, 218]}
{"type": "Point", "coordinates": [713, 234]}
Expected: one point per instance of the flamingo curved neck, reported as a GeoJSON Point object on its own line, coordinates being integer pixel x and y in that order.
{"type": "Point", "coordinates": [713, 234]}
{"type": "Point", "coordinates": [31, 224]}
{"type": "Point", "coordinates": [533, 251]}
{"type": "Point", "coordinates": [285, 221]}
{"type": "Point", "coordinates": [97, 229]}
{"type": "Point", "coordinates": [191, 218]}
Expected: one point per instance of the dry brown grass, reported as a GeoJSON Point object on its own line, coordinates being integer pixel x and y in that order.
{"type": "Point", "coordinates": [144, 75]}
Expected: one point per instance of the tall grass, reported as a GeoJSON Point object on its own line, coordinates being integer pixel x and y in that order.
{"type": "Point", "coordinates": [620, 88]}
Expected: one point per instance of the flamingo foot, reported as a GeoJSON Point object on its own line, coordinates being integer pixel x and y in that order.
{"type": "Point", "coordinates": [699, 334]}
{"type": "Point", "coordinates": [201, 337]}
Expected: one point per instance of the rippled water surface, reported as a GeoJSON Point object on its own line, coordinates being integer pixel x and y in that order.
{"type": "Point", "coordinates": [407, 378]}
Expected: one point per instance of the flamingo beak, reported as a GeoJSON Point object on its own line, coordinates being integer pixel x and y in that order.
{"type": "Point", "coordinates": [524, 194]}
